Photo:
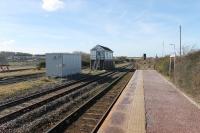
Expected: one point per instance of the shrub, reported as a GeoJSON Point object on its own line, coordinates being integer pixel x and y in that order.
{"type": "Point", "coordinates": [187, 73]}
{"type": "Point", "coordinates": [162, 65]}
{"type": "Point", "coordinates": [42, 64]}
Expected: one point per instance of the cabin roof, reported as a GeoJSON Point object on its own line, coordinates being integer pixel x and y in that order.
{"type": "Point", "coordinates": [105, 48]}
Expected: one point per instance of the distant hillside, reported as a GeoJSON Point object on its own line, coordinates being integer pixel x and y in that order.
{"type": "Point", "coordinates": [8, 54]}
{"type": "Point", "coordinates": [20, 59]}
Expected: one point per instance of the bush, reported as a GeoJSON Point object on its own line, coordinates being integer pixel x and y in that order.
{"type": "Point", "coordinates": [41, 65]}
{"type": "Point", "coordinates": [85, 64]}
{"type": "Point", "coordinates": [162, 65]}
{"type": "Point", "coordinates": [187, 73]}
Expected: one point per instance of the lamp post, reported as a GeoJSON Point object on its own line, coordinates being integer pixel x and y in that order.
{"type": "Point", "coordinates": [180, 28]}
{"type": "Point", "coordinates": [173, 56]}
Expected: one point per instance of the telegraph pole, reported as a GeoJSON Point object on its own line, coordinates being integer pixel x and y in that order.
{"type": "Point", "coordinates": [163, 51]}
{"type": "Point", "coordinates": [180, 40]}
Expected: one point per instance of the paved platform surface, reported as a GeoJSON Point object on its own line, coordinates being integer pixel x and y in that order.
{"type": "Point", "coordinates": [128, 114]}
{"type": "Point", "coordinates": [152, 104]}
{"type": "Point", "coordinates": [167, 110]}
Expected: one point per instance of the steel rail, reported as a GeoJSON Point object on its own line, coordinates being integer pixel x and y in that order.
{"type": "Point", "coordinates": [36, 95]}
{"type": "Point", "coordinates": [16, 70]}
{"type": "Point", "coordinates": [19, 78]}
{"type": "Point", "coordinates": [15, 114]}
{"type": "Point", "coordinates": [96, 128]}
{"type": "Point", "coordinates": [67, 121]}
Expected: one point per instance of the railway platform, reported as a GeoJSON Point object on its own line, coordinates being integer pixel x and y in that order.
{"type": "Point", "coordinates": [168, 110]}
{"type": "Point", "coordinates": [128, 114]}
{"type": "Point", "coordinates": [152, 104]}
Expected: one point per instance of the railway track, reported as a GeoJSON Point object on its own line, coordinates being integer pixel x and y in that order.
{"type": "Point", "coordinates": [20, 78]}
{"type": "Point", "coordinates": [88, 117]}
{"type": "Point", "coordinates": [44, 92]}
{"type": "Point", "coordinates": [18, 109]}
{"type": "Point", "coordinates": [16, 70]}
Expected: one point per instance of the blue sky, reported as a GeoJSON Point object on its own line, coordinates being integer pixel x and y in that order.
{"type": "Point", "coordinates": [129, 27]}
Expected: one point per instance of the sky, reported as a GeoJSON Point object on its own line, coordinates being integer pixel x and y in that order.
{"type": "Point", "coordinates": [128, 27]}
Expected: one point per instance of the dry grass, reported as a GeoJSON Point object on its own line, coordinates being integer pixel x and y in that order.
{"type": "Point", "coordinates": [121, 65]}
{"type": "Point", "coordinates": [145, 64]}
{"type": "Point", "coordinates": [92, 72]}
{"type": "Point", "coordinates": [17, 88]}
{"type": "Point", "coordinates": [23, 87]}
{"type": "Point", "coordinates": [187, 73]}
{"type": "Point", "coordinates": [25, 72]}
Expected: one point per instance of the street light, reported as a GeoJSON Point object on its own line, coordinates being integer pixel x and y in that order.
{"type": "Point", "coordinates": [173, 56]}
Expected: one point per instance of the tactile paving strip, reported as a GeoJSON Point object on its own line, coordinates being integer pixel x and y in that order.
{"type": "Point", "coordinates": [128, 114]}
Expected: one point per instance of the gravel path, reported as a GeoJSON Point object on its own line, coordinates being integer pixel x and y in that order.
{"type": "Point", "coordinates": [167, 110]}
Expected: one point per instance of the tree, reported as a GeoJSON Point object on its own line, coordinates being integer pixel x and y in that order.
{"type": "Point", "coordinates": [41, 65]}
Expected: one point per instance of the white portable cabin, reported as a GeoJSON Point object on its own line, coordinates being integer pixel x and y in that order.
{"type": "Point", "coordinates": [62, 64]}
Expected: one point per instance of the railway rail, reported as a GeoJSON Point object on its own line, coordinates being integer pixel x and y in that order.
{"type": "Point", "coordinates": [18, 108]}
{"type": "Point", "coordinates": [27, 104]}
{"type": "Point", "coordinates": [44, 92]}
{"type": "Point", "coordinates": [88, 117]}
{"type": "Point", "coordinates": [20, 78]}
{"type": "Point", "coordinates": [16, 70]}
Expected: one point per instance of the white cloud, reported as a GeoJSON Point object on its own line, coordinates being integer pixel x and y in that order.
{"type": "Point", "coordinates": [52, 5]}
{"type": "Point", "coordinates": [68, 5]}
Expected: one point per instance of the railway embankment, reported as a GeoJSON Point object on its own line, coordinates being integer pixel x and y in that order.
{"type": "Point", "coordinates": [186, 75]}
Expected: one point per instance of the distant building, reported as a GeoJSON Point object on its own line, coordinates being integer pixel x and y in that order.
{"type": "Point", "coordinates": [62, 64]}
{"type": "Point", "coordinates": [101, 58]}
{"type": "Point", "coordinates": [38, 57]}
{"type": "Point", "coordinates": [3, 64]}
{"type": "Point", "coordinates": [3, 60]}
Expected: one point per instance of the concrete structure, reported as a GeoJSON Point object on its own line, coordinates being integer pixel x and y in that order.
{"type": "Point", "coordinates": [101, 58]}
{"type": "Point", "coordinates": [62, 64]}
